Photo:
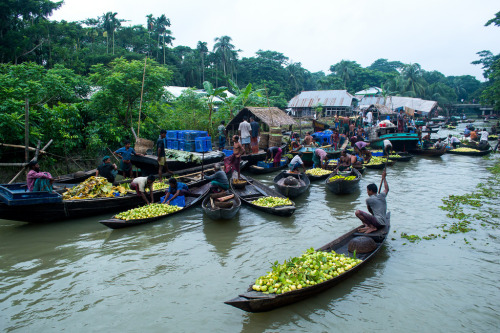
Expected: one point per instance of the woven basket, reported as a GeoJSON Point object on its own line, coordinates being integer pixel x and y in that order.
{"type": "Point", "coordinates": [264, 140]}
{"type": "Point", "coordinates": [143, 145]}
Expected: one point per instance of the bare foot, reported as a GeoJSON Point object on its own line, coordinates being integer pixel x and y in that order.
{"type": "Point", "coordinates": [369, 230]}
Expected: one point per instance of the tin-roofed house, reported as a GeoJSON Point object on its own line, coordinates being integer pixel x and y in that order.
{"type": "Point", "coordinates": [328, 102]}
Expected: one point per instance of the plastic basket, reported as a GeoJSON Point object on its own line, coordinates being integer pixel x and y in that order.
{"type": "Point", "coordinates": [199, 144]}
{"type": "Point", "coordinates": [227, 152]}
{"type": "Point", "coordinates": [180, 201]}
{"type": "Point", "coordinates": [175, 144]}
{"type": "Point", "coordinates": [182, 145]}
{"type": "Point", "coordinates": [189, 146]}
{"type": "Point", "coordinates": [207, 144]}
{"type": "Point", "coordinates": [181, 135]}
{"type": "Point", "coordinates": [172, 135]}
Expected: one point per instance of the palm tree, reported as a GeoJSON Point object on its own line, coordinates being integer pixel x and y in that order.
{"type": "Point", "coordinates": [110, 23]}
{"type": "Point", "coordinates": [162, 23]}
{"type": "Point", "coordinates": [202, 50]}
{"type": "Point", "coordinates": [225, 51]}
{"type": "Point", "coordinates": [344, 70]}
{"type": "Point", "coordinates": [413, 82]}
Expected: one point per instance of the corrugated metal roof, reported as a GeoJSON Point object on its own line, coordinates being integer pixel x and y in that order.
{"type": "Point", "coordinates": [309, 99]}
{"type": "Point", "coordinates": [395, 102]}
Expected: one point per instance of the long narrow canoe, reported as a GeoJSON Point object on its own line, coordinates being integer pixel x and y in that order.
{"type": "Point", "coordinates": [216, 213]}
{"type": "Point", "coordinates": [260, 170]}
{"type": "Point", "coordinates": [256, 301]}
{"type": "Point", "coordinates": [201, 188]}
{"type": "Point", "coordinates": [255, 190]}
{"type": "Point", "coordinates": [470, 153]}
{"type": "Point", "coordinates": [291, 191]}
{"type": "Point", "coordinates": [430, 152]}
{"type": "Point", "coordinates": [76, 177]}
{"type": "Point", "coordinates": [342, 186]}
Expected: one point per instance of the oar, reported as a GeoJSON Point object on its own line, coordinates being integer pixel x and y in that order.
{"type": "Point", "coordinates": [385, 167]}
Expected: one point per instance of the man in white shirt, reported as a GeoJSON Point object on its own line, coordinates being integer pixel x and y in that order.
{"type": "Point", "coordinates": [244, 130]}
{"type": "Point", "coordinates": [484, 136]}
{"type": "Point", "coordinates": [297, 162]}
{"type": "Point", "coordinates": [369, 118]}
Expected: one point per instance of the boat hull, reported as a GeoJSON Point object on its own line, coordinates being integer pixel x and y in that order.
{"type": "Point", "coordinates": [253, 301]}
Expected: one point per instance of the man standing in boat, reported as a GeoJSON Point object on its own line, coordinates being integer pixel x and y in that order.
{"type": "Point", "coordinates": [232, 163]}
{"type": "Point", "coordinates": [125, 154]}
{"type": "Point", "coordinates": [254, 136]}
{"type": "Point", "coordinates": [244, 131]}
{"type": "Point", "coordinates": [162, 160]}
{"type": "Point", "coordinates": [377, 206]}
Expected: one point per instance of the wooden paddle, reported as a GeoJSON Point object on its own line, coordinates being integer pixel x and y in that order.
{"type": "Point", "coordinates": [385, 167]}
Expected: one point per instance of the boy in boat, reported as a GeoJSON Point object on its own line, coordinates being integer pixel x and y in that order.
{"type": "Point", "coordinates": [344, 161]}
{"type": "Point", "coordinates": [387, 147]}
{"type": "Point", "coordinates": [319, 158]}
{"type": "Point", "coordinates": [297, 162]}
{"type": "Point", "coordinates": [177, 189]}
{"type": "Point", "coordinates": [453, 141]}
{"type": "Point", "coordinates": [308, 140]}
{"type": "Point", "coordinates": [233, 162]}
{"type": "Point", "coordinates": [125, 153]}
{"type": "Point", "coordinates": [218, 179]}
{"type": "Point", "coordinates": [377, 206]}
{"type": "Point", "coordinates": [36, 180]}
{"type": "Point", "coordinates": [107, 169]}
{"type": "Point", "coordinates": [140, 184]}
{"type": "Point", "coordinates": [274, 153]}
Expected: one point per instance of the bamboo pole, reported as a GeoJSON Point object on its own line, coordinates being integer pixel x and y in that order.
{"type": "Point", "coordinates": [142, 92]}
{"type": "Point", "coordinates": [19, 146]}
{"type": "Point", "coordinates": [26, 129]}
{"type": "Point", "coordinates": [33, 159]}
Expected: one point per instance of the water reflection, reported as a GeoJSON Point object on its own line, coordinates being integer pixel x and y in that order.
{"type": "Point", "coordinates": [221, 242]}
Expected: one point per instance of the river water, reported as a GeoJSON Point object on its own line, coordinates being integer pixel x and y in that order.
{"type": "Point", "coordinates": [175, 274]}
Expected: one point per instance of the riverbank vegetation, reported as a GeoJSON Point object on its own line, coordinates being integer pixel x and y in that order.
{"type": "Point", "coordinates": [82, 81]}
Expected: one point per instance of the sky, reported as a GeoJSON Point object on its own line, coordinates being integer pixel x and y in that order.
{"type": "Point", "coordinates": [440, 35]}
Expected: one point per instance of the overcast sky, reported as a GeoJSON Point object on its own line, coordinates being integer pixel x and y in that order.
{"type": "Point", "coordinates": [442, 35]}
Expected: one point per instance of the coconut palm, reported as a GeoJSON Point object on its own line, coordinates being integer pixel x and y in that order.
{"type": "Point", "coordinates": [110, 23]}
{"type": "Point", "coordinates": [162, 23]}
{"type": "Point", "coordinates": [225, 52]}
{"type": "Point", "coordinates": [202, 50]}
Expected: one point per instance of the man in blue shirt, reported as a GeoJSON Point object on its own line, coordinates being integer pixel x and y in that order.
{"type": "Point", "coordinates": [125, 154]}
{"type": "Point", "coordinates": [254, 136]}
{"type": "Point", "coordinates": [177, 188]}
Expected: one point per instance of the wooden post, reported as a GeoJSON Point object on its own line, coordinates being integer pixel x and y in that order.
{"type": "Point", "coordinates": [142, 91]}
{"type": "Point", "coordinates": [26, 130]}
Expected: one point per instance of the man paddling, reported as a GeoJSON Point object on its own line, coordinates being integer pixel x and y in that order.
{"type": "Point", "coordinates": [377, 206]}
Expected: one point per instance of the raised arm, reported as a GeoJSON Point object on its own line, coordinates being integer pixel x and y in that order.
{"type": "Point", "coordinates": [384, 179]}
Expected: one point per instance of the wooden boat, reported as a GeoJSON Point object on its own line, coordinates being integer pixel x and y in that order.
{"type": "Point", "coordinates": [314, 178]}
{"type": "Point", "coordinates": [34, 211]}
{"type": "Point", "coordinates": [256, 301]}
{"type": "Point", "coordinates": [429, 152]}
{"type": "Point", "coordinates": [292, 191]}
{"type": "Point", "coordinates": [379, 166]}
{"type": "Point", "coordinates": [216, 213]}
{"type": "Point", "coordinates": [405, 157]}
{"type": "Point", "coordinates": [319, 126]}
{"type": "Point", "coordinates": [361, 170]}
{"type": "Point", "coordinates": [255, 190]}
{"type": "Point", "coordinates": [470, 153]}
{"type": "Point", "coordinates": [201, 188]}
{"type": "Point", "coordinates": [149, 163]}
{"type": "Point", "coordinates": [342, 186]}
{"type": "Point", "coordinates": [260, 170]}
{"type": "Point", "coordinates": [74, 178]}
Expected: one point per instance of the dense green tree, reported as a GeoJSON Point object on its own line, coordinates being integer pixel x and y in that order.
{"type": "Point", "coordinates": [383, 65]}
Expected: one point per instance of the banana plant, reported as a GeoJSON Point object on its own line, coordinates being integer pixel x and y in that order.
{"type": "Point", "coordinates": [211, 94]}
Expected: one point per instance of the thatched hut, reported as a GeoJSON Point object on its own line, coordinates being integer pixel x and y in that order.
{"type": "Point", "coordinates": [266, 116]}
